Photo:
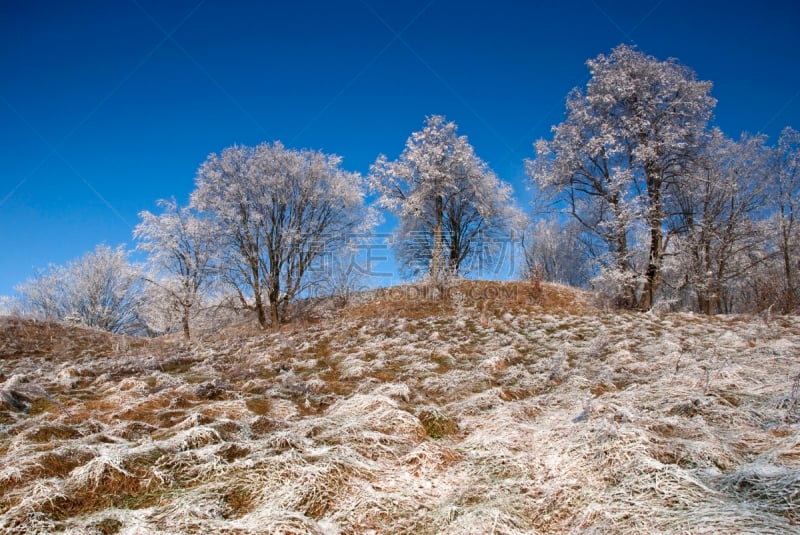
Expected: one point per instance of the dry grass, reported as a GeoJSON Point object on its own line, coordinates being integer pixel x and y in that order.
{"type": "Point", "coordinates": [501, 409]}
{"type": "Point", "coordinates": [419, 301]}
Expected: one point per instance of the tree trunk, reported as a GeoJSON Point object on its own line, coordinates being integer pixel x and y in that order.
{"type": "Point", "coordinates": [656, 220]}
{"type": "Point", "coordinates": [259, 302]}
{"type": "Point", "coordinates": [262, 316]}
{"type": "Point", "coordinates": [653, 273]}
{"type": "Point", "coordinates": [274, 317]}
{"type": "Point", "coordinates": [274, 294]}
{"type": "Point", "coordinates": [438, 241]}
{"type": "Point", "coordinates": [788, 273]}
{"type": "Point", "coordinates": [185, 322]}
{"type": "Point", "coordinates": [454, 263]}
{"type": "Point", "coordinates": [628, 298]}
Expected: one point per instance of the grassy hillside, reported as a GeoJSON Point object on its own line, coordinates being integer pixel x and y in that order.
{"type": "Point", "coordinates": [507, 409]}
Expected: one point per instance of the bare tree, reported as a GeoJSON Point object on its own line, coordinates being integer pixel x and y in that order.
{"type": "Point", "coordinates": [339, 275]}
{"type": "Point", "coordinates": [276, 209]}
{"type": "Point", "coordinates": [786, 202]}
{"type": "Point", "coordinates": [559, 252]}
{"type": "Point", "coordinates": [718, 220]}
{"type": "Point", "coordinates": [449, 202]}
{"type": "Point", "coordinates": [180, 245]}
{"type": "Point", "coordinates": [626, 139]}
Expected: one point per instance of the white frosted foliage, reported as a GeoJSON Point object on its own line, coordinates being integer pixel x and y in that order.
{"type": "Point", "coordinates": [451, 205]}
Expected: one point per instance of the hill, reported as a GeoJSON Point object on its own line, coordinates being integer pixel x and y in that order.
{"type": "Point", "coordinates": [507, 409]}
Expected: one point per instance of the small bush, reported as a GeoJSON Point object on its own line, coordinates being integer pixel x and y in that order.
{"type": "Point", "coordinates": [108, 526]}
{"type": "Point", "coordinates": [436, 423]}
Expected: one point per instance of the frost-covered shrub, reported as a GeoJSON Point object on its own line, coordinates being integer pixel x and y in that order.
{"type": "Point", "coordinates": [615, 287]}
{"type": "Point", "coordinates": [101, 289]}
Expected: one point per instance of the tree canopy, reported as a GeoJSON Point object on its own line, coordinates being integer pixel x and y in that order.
{"type": "Point", "coordinates": [277, 210]}
{"type": "Point", "coordinates": [450, 204]}
{"type": "Point", "coordinates": [628, 140]}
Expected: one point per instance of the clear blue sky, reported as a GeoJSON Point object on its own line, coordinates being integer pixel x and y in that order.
{"type": "Point", "coordinates": [107, 106]}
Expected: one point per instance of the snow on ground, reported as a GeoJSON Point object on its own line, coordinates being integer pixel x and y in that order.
{"type": "Point", "coordinates": [507, 416]}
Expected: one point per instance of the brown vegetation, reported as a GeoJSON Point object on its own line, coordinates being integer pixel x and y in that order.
{"type": "Point", "coordinates": [486, 411]}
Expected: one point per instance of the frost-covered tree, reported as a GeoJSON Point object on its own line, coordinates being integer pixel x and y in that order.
{"type": "Point", "coordinates": [558, 252]}
{"type": "Point", "coordinates": [786, 204]}
{"type": "Point", "coordinates": [338, 274]}
{"type": "Point", "coordinates": [180, 247]}
{"type": "Point", "coordinates": [8, 305]}
{"type": "Point", "coordinates": [627, 138]}
{"type": "Point", "coordinates": [718, 221]}
{"type": "Point", "coordinates": [451, 206]}
{"type": "Point", "coordinates": [277, 210]}
{"type": "Point", "coordinates": [101, 289]}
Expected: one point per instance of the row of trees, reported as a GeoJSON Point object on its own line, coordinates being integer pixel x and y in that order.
{"type": "Point", "coordinates": [647, 204]}
{"type": "Point", "coordinates": [668, 209]}
{"type": "Point", "coordinates": [262, 218]}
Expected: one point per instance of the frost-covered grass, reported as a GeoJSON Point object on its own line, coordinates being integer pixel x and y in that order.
{"type": "Point", "coordinates": [495, 412]}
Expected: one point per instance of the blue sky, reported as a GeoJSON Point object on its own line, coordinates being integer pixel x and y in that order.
{"type": "Point", "coordinates": [107, 106]}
